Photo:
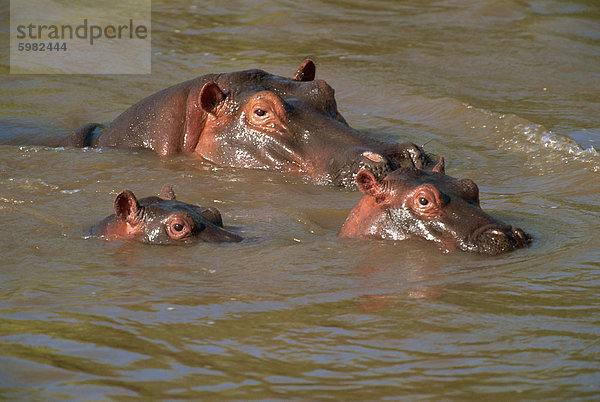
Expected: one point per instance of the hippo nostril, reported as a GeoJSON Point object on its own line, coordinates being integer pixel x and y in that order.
{"type": "Point", "coordinates": [522, 238]}
{"type": "Point", "coordinates": [372, 156]}
{"type": "Point", "coordinates": [376, 163]}
{"type": "Point", "coordinates": [493, 239]}
{"type": "Point", "coordinates": [412, 156]}
{"type": "Point", "coordinates": [486, 230]}
{"type": "Point", "coordinates": [497, 234]}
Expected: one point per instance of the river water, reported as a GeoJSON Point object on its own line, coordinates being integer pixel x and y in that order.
{"type": "Point", "coordinates": [507, 91]}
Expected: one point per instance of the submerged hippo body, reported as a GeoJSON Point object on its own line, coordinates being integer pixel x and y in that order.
{"type": "Point", "coordinates": [253, 119]}
{"type": "Point", "coordinates": [410, 203]}
{"type": "Point", "coordinates": [162, 220]}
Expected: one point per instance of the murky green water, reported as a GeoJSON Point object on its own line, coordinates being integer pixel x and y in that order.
{"type": "Point", "coordinates": [508, 91]}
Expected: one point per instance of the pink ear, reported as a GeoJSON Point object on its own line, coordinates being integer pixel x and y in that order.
{"type": "Point", "coordinates": [306, 71]}
{"type": "Point", "coordinates": [126, 205]}
{"type": "Point", "coordinates": [441, 166]}
{"type": "Point", "coordinates": [368, 184]}
{"type": "Point", "coordinates": [210, 96]}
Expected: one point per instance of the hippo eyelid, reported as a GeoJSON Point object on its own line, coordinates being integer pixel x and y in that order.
{"type": "Point", "coordinates": [179, 226]}
{"type": "Point", "coordinates": [268, 119]}
{"type": "Point", "coordinates": [427, 191]}
{"type": "Point", "coordinates": [428, 200]}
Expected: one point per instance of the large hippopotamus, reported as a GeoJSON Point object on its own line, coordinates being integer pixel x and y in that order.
{"type": "Point", "coordinates": [253, 119]}
{"type": "Point", "coordinates": [411, 203]}
{"type": "Point", "coordinates": [162, 220]}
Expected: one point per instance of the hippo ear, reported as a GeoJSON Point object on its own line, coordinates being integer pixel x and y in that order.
{"type": "Point", "coordinates": [210, 96]}
{"type": "Point", "coordinates": [368, 183]}
{"type": "Point", "coordinates": [441, 166]}
{"type": "Point", "coordinates": [306, 71]}
{"type": "Point", "coordinates": [212, 214]}
{"type": "Point", "coordinates": [167, 193]}
{"type": "Point", "coordinates": [126, 206]}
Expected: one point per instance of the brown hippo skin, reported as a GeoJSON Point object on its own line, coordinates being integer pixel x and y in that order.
{"type": "Point", "coordinates": [253, 119]}
{"type": "Point", "coordinates": [162, 220]}
{"type": "Point", "coordinates": [411, 203]}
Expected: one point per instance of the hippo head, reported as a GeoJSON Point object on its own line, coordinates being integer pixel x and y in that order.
{"type": "Point", "coordinates": [259, 120]}
{"type": "Point", "coordinates": [411, 203]}
{"type": "Point", "coordinates": [162, 220]}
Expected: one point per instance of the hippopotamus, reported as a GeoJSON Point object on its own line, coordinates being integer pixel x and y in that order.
{"type": "Point", "coordinates": [162, 220]}
{"type": "Point", "coordinates": [253, 119]}
{"type": "Point", "coordinates": [411, 203]}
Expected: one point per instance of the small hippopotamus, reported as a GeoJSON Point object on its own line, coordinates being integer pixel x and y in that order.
{"type": "Point", "coordinates": [411, 203]}
{"type": "Point", "coordinates": [162, 220]}
{"type": "Point", "coordinates": [253, 119]}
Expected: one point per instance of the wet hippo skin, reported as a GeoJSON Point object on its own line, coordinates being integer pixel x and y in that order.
{"type": "Point", "coordinates": [162, 220]}
{"type": "Point", "coordinates": [253, 119]}
{"type": "Point", "coordinates": [411, 203]}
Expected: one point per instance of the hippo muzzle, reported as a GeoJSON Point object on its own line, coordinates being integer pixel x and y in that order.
{"type": "Point", "coordinates": [376, 163]}
{"type": "Point", "coordinates": [380, 163]}
{"type": "Point", "coordinates": [495, 239]}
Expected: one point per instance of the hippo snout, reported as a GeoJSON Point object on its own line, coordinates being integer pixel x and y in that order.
{"type": "Point", "coordinates": [495, 239]}
{"type": "Point", "coordinates": [379, 165]}
{"type": "Point", "coordinates": [375, 162]}
{"type": "Point", "coordinates": [216, 234]}
{"type": "Point", "coordinates": [409, 154]}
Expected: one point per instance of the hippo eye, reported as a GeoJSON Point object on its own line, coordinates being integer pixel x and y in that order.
{"type": "Point", "coordinates": [260, 112]}
{"type": "Point", "coordinates": [179, 227]}
{"type": "Point", "coordinates": [427, 200]}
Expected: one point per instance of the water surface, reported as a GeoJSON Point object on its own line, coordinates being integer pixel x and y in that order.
{"type": "Point", "coordinates": [508, 92]}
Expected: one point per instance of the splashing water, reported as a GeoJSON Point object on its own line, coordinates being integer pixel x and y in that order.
{"type": "Point", "coordinates": [518, 134]}
{"type": "Point", "coordinates": [538, 138]}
